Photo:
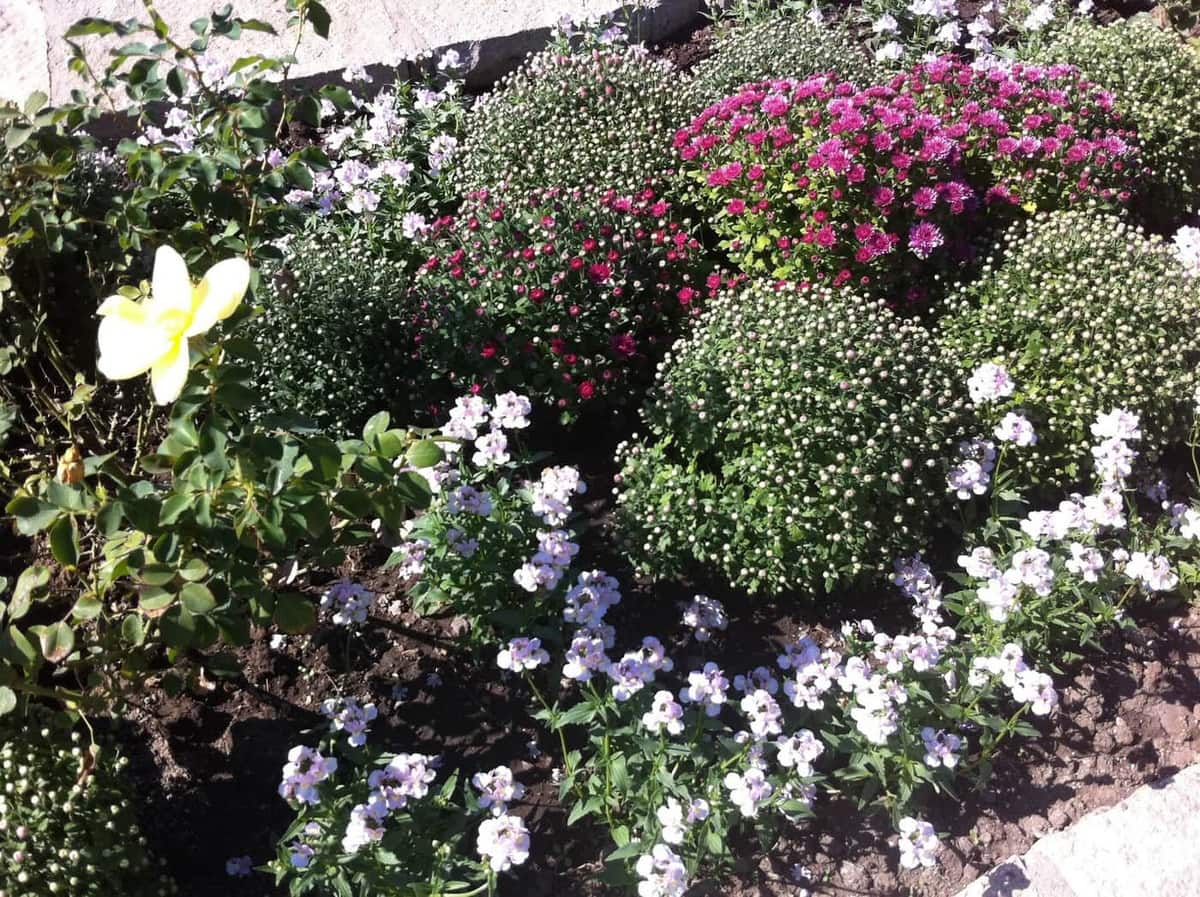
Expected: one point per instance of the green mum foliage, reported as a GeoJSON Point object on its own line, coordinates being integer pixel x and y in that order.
{"type": "Point", "coordinates": [67, 825]}
{"type": "Point", "coordinates": [781, 46]}
{"type": "Point", "coordinates": [1156, 80]}
{"type": "Point", "coordinates": [1088, 314]}
{"type": "Point", "coordinates": [332, 337]}
{"type": "Point", "coordinates": [798, 440]}
{"type": "Point", "coordinates": [601, 118]}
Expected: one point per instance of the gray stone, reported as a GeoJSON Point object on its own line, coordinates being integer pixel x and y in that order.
{"type": "Point", "coordinates": [23, 49]}
{"type": "Point", "coordinates": [493, 36]}
{"type": "Point", "coordinates": [1144, 845]}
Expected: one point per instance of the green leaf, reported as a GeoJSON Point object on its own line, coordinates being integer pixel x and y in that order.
{"type": "Point", "coordinates": [632, 849]}
{"type": "Point", "coordinates": [17, 649]}
{"type": "Point", "coordinates": [425, 453]}
{"type": "Point", "coordinates": [133, 630]}
{"type": "Point", "coordinates": [88, 607]}
{"type": "Point", "coordinates": [33, 515]}
{"type": "Point", "coordinates": [64, 541]}
{"type": "Point", "coordinates": [376, 425]}
{"type": "Point", "coordinates": [155, 599]}
{"type": "Point", "coordinates": [197, 598]}
{"type": "Point", "coordinates": [17, 134]}
{"type": "Point", "coordinates": [318, 15]}
{"type": "Point", "coordinates": [8, 700]}
{"type": "Point", "coordinates": [69, 498]}
{"type": "Point", "coordinates": [37, 100]}
{"type": "Point", "coordinates": [57, 641]}
{"type": "Point", "coordinates": [294, 613]}
{"type": "Point", "coordinates": [31, 581]}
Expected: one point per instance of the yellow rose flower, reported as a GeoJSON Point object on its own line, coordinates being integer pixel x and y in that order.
{"type": "Point", "coordinates": [152, 335]}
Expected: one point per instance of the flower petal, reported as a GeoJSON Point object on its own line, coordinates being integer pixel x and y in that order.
{"type": "Point", "coordinates": [171, 288]}
{"type": "Point", "coordinates": [128, 346]}
{"type": "Point", "coordinates": [170, 373]}
{"type": "Point", "coordinates": [218, 294]}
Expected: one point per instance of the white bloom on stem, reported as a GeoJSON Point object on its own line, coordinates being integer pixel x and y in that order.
{"type": "Point", "coordinates": [664, 713]}
{"type": "Point", "coordinates": [152, 334]}
{"type": "Point", "coordinates": [990, 382]}
{"type": "Point", "coordinates": [1017, 429]}
{"type": "Point", "coordinates": [522, 654]}
{"type": "Point", "coordinates": [918, 843]}
{"type": "Point", "coordinates": [497, 789]}
{"type": "Point", "coordinates": [747, 790]}
{"type": "Point", "coordinates": [662, 872]}
{"type": "Point", "coordinates": [503, 842]}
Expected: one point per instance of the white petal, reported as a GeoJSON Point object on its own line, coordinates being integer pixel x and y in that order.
{"type": "Point", "coordinates": [170, 373]}
{"type": "Point", "coordinates": [171, 286]}
{"type": "Point", "coordinates": [218, 294]}
{"type": "Point", "coordinates": [128, 348]}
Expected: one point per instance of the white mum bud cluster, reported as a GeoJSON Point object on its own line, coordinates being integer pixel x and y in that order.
{"type": "Point", "coordinates": [597, 118]}
{"type": "Point", "coordinates": [1086, 313]}
{"type": "Point", "coordinates": [781, 46]}
{"type": "Point", "coordinates": [63, 831]}
{"type": "Point", "coordinates": [800, 439]}
{"type": "Point", "coordinates": [330, 332]}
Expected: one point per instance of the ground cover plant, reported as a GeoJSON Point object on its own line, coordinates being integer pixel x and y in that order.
{"type": "Point", "coordinates": [777, 45]}
{"type": "Point", "coordinates": [625, 482]}
{"type": "Point", "coordinates": [789, 439]}
{"type": "Point", "coordinates": [593, 119]}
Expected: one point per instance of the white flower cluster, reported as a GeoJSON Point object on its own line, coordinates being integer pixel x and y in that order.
{"type": "Point", "coordinates": [348, 603]}
{"type": "Point", "coordinates": [405, 778]}
{"type": "Point", "coordinates": [305, 769]}
{"type": "Point", "coordinates": [503, 842]}
{"type": "Point", "coordinates": [1186, 244]}
{"type": "Point", "coordinates": [497, 789]}
{"type": "Point", "coordinates": [349, 716]}
{"type": "Point", "coordinates": [470, 413]}
{"type": "Point", "coordinates": [704, 616]}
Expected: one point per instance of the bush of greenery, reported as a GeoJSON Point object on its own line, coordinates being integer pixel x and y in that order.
{"type": "Point", "coordinates": [67, 823]}
{"type": "Point", "coordinates": [600, 119]}
{"type": "Point", "coordinates": [1155, 78]}
{"type": "Point", "coordinates": [1086, 312]}
{"type": "Point", "coordinates": [567, 295]}
{"type": "Point", "coordinates": [822, 180]}
{"type": "Point", "coordinates": [795, 440]}
{"type": "Point", "coordinates": [780, 46]}
{"type": "Point", "coordinates": [331, 331]}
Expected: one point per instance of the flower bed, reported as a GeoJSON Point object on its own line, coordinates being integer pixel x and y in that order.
{"type": "Point", "coordinates": [353, 536]}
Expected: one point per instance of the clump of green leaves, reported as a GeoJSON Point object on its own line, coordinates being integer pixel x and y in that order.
{"type": "Point", "coordinates": [596, 120]}
{"type": "Point", "coordinates": [158, 562]}
{"type": "Point", "coordinates": [780, 45]}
